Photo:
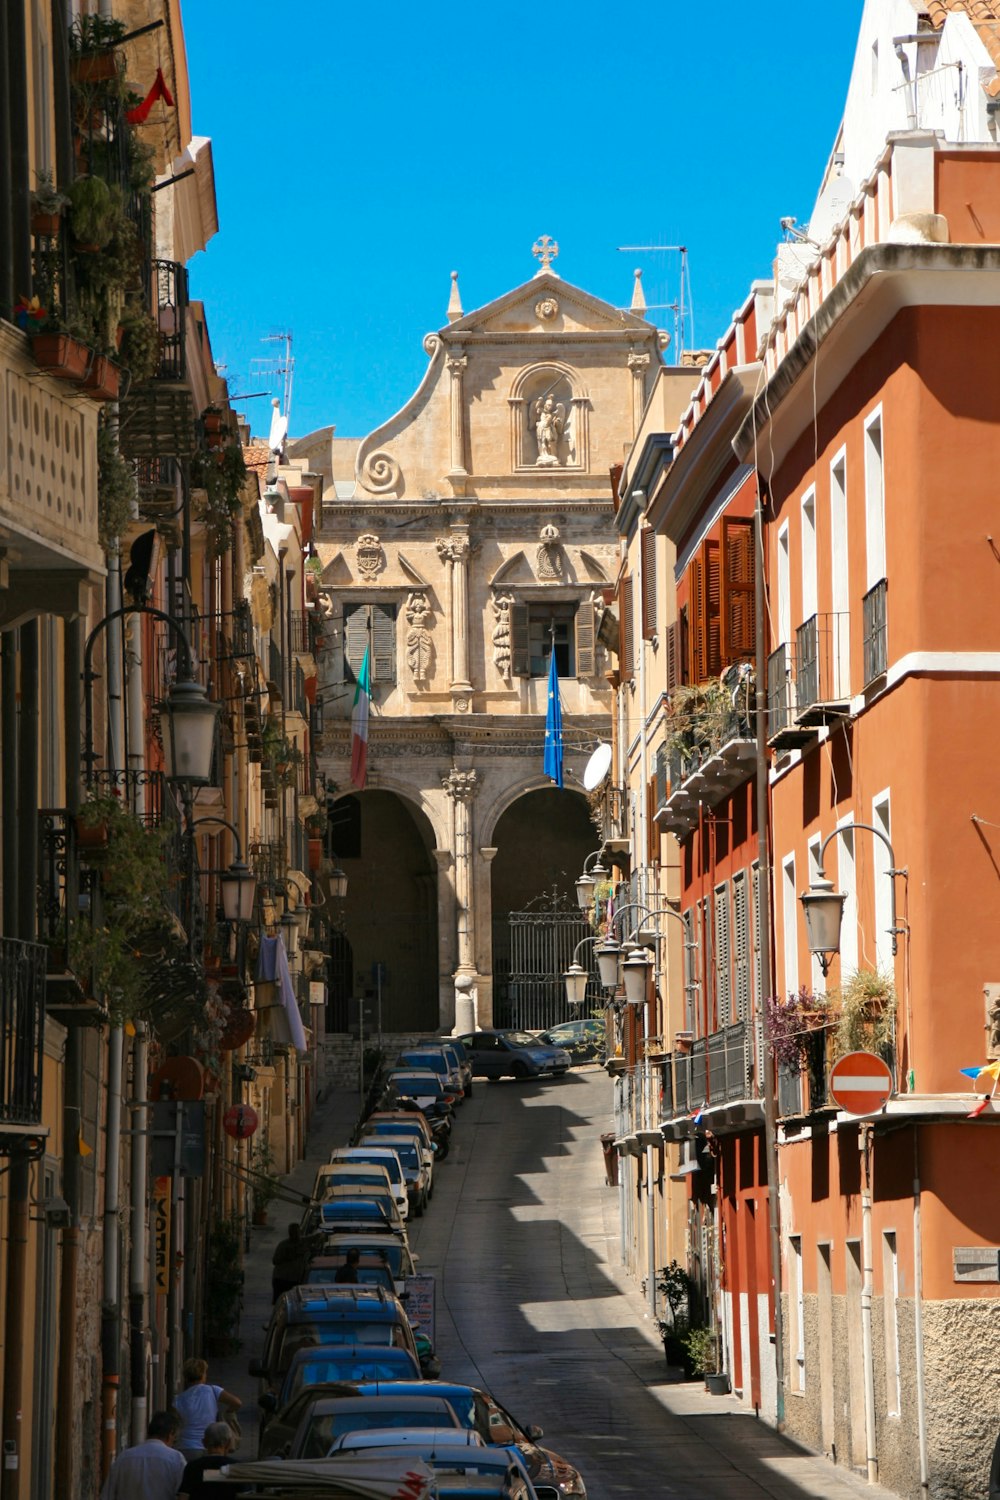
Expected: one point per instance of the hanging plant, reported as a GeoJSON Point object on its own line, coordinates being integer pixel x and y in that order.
{"type": "Point", "coordinates": [47, 205]}
{"type": "Point", "coordinates": [116, 492]}
{"type": "Point", "coordinates": [867, 1005]}
{"type": "Point", "coordinates": [790, 1023]}
{"type": "Point", "coordinates": [92, 212]}
{"type": "Point", "coordinates": [222, 476]}
{"type": "Point", "coordinates": [139, 343]}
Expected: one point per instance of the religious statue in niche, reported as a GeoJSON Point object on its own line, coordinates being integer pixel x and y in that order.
{"type": "Point", "coordinates": [419, 645]}
{"type": "Point", "coordinates": [549, 418]}
{"type": "Point", "coordinates": [501, 633]}
{"type": "Point", "coordinates": [549, 556]}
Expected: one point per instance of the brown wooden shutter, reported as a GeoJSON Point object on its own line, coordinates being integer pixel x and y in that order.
{"type": "Point", "coordinates": [672, 644]}
{"type": "Point", "coordinates": [738, 632]}
{"type": "Point", "coordinates": [698, 670]}
{"type": "Point", "coordinates": [626, 631]}
{"type": "Point", "coordinates": [648, 583]}
{"type": "Point", "coordinates": [652, 827]}
{"type": "Point", "coordinates": [683, 645]}
{"type": "Point", "coordinates": [585, 644]}
{"type": "Point", "coordinates": [383, 658]}
{"type": "Point", "coordinates": [520, 663]}
{"type": "Point", "coordinates": [713, 613]}
{"type": "Point", "coordinates": [356, 639]}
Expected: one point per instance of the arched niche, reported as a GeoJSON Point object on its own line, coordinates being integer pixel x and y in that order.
{"type": "Point", "coordinates": [558, 383]}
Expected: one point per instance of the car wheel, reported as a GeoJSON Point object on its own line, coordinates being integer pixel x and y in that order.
{"type": "Point", "coordinates": [519, 1070]}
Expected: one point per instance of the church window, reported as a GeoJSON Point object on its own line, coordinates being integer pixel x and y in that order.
{"type": "Point", "coordinates": [374, 625]}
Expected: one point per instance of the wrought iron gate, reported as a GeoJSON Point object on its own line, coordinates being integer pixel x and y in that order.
{"type": "Point", "coordinates": [532, 951]}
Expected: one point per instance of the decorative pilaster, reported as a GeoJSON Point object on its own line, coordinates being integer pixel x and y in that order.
{"type": "Point", "coordinates": [638, 364]}
{"type": "Point", "coordinates": [457, 365]}
{"type": "Point", "coordinates": [456, 551]}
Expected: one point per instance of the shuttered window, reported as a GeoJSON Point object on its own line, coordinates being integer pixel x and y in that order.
{"type": "Point", "coordinates": [652, 827]}
{"type": "Point", "coordinates": [690, 972]}
{"type": "Point", "coordinates": [626, 632]}
{"type": "Point", "coordinates": [672, 652]}
{"type": "Point", "coordinates": [738, 637]}
{"type": "Point", "coordinates": [683, 645]}
{"type": "Point", "coordinates": [723, 983]}
{"type": "Point", "coordinates": [648, 583]}
{"type": "Point", "coordinates": [713, 602]}
{"type": "Point", "coordinates": [519, 656]}
{"type": "Point", "coordinates": [586, 644]}
{"type": "Point", "coordinates": [374, 624]}
{"type": "Point", "coordinates": [741, 947]}
{"type": "Point", "coordinates": [535, 627]}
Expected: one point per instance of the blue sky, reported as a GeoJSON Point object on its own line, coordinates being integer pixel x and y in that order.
{"type": "Point", "coordinates": [363, 153]}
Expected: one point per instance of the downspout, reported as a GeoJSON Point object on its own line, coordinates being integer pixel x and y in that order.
{"type": "Point", "coordinates": [643, 895]}
{"type": "Point", "coordinates": [918, 1318]}
{"type": "Point", "coordinates": [138, 1265]}
{"type": "Point", "coordinates": [110, 1334]}
{"type": "Point", "coordinates": [766, 1063]}
{"type": "Point", "coordinates": [867, 1277]}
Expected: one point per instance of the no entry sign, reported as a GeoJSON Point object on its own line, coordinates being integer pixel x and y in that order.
{"type": "Point", "coordinates": [860, 1083]}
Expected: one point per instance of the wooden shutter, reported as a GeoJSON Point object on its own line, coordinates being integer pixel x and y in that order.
{"type": "Point", "coordinates": [723, 1000]}
{"type": "Point", "coordinates": [738, 629]}
{"type": "Point", "coordinates": [383, 658]}
{"type": "Point", "coordinates": [520, 656]}
{"type": "Point", "coordinates": [585, 643]}
{"type": "Point", "coordinates": [356, 639]}
{"type": "Point", "coordinates": [741, 936]}
{"type": "Point", "coordinates": [626, 631]}
{"type": "Point", "coordinates": [713, 608]}
{"type": "Point", "coordinates": [648, 583]}
{"type": "Point", "coordinates": [652, 827]}
{"type": "Point", "coordinates": [672, 643]}
{"type": "Point", "coordinates": [698, 668]}
{"type": "Point", "coordinates": [683, 646]}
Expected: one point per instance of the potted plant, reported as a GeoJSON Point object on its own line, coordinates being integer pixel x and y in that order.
{"type": "Point", "coordinates": [702, 1346]}
{"type": "Point", "coordinates": [47, 205]}
{"type": "Point", "coordinates": [867, 1005]}
{"type": "Point", "coordinates": [791, 1023]}
{"type": "Point", "coordinates": [138, 343]}
{"type": "Point", "coordinates": [265, 1183]}
{"type": "Point", "coordinates": [61, 350]}
{"type": "Point", "coordinates": [116, 492]}
{"type": "Point", "coordinates": [92, 43]}
{"type": "Point", "coordinates": [223, 1288]}
{"type": "Point", "coordinates": [92, 213]}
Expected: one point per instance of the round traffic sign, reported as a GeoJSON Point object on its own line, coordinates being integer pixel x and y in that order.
{"type": "Point", "coordinates": [860, 1083]}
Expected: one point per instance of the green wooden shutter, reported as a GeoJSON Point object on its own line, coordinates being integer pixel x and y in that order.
{"type": "Point", "coordinates": [520, 660]}
{"type": "Point", "coordinates": [383, 660]}
{"type": "Point", "coordinates": [355, 638]}
{"type": "Point", "coordinates": [585, 645]}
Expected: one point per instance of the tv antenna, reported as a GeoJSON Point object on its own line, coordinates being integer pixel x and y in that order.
{"type": "Point", "coordinates": [280, 368]}
{"type": "Point", "coordinates": [683, 314]}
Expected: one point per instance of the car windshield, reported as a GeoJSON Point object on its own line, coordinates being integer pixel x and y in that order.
{"type": "Point", "coordinates": [522, 1039]}
{"type": "Point", "coordinates": [391, 1253]}
{"type": "Point", "coordinates": [407, 1154]}
{"type": "Point", "coordinates": [389, 1364]}
{"type": "Point", "coordinates": [409, 1083]}
{"type": "Point", "coordinates": [367, 1276]}
{"type": "Point", "coordinates": [391, 1166]}
{"type": "Point", "coordinates": [324, 1430]}
{"type": "Point", "coordinates": [435, 1061]}
{"type": "Point", "coordinates": [353, 1209]}
{"type": "Point", "coordinates": [315, 1335]}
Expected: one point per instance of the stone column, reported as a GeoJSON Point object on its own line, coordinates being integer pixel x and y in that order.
{"type": "Point", "coordinates": [457, 364]}
{"type": "Point", "coordinates": [461, 787]}
{"type": "Point", "coordinates": [456, 551]}
{"type": "Point", "coordinates": [446, 936]}
{"type": "Point", "coordinates": [638, 364]}
{"type": "Point", "coordinates": [484, 934]}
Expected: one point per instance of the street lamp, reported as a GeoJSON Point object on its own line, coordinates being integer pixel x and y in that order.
{"type": "Point", "coordinates": [238, 883]}
{"type": "Point", "coordinates": [824, 907]}
{"type": "Point", "coordinates": [607, 962]}
{"type": "Point", "coordinates": [588, 880]}
{"type": "Point", "coordinates": [290, 932]}
{"type": "Point", "coordinates": [636, 969]}
{"type": "Point", "coordinates": [577, 977]}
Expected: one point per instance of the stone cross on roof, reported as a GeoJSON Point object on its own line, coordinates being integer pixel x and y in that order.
{"type": "Point", "coordinates": [545, 251]}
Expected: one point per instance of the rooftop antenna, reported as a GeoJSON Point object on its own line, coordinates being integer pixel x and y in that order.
{"type": "Point", "coordinates": [681, 308]}
{"type": "Point", "coordinates": [280, 368]}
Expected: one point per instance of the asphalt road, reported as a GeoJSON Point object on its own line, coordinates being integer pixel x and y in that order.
{"type": "Point", "coordinates": [533, 1305]}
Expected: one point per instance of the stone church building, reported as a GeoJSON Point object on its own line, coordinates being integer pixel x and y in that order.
{"type": "Point", "coordinates": [465, 538]}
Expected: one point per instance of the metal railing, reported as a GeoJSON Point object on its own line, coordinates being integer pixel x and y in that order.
{"type": "Point", "coordinates": [821, 661]}
{"type": "Point", "coordinates": [171, 285]}
{"type": "Point", "coordinates": [22, 1031]}
{"type": "Point", "coordinates": [779, 690]}
{"type": "Point", "coordinates": [717, 1070]}
{"type": "Point", "coordinates": [300, 632]}
{"type": "Point", "coordinates": [610, 814]}
{"type": "Point", "coordinates": [876, 643]}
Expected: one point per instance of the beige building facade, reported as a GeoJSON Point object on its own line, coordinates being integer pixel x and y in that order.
{"type": "Point", "coordinates": [464, 539]}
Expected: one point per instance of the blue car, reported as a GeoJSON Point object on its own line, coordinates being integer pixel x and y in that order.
{"type": "Point", "coordinates": [513, 1054]}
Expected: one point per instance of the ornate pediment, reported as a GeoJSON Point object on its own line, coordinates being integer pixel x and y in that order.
{"type": "Point", "coordinates": [547, 306]}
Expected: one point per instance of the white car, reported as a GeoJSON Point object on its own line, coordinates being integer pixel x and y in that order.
{"type": "Point", "coordinates": [379, 1156]}
{"type": "Point", "coordinates": [429, 1440]}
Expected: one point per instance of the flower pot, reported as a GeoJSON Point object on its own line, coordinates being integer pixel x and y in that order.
{"type": "Point", "coordinates": [91, 836]}
{"type": "Point", "coordinates": [93, 67]}
{"type": "Point", "coordinates": [45, 224]}
{"type": "Point", "coordinates": [102, 380]}
{"type": "Point", "coordinates": [717, 1385]}
{"type": "Point", "coordinates": [315, 853]}
{"type": "Point", "coordinates": [211, 421]}
{"type": "Point", "coordinates": [59, 355]}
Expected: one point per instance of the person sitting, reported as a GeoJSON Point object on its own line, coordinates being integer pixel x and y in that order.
{"type": "Point", "coordinates": [349, 1270]}
{"type": "Point", "coordinates": [219, 1444]}
{"type": "Point", "coordinates": [150, 1470]}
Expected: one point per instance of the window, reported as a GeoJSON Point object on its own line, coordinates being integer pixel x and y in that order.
{"type": "Point", "coordinates": [789, 917]}
{"type": "Point", "coordinates": [741, 935]}
{"type": "Point", "coordinates": [808, 543]}
{"type": "Point", "coordinates": [626, 631]}
{"type": "Point", "coordinates": [738, 604]}
{"type": "Point", "coordinates": [847, 880]}
{"type": "Point", "coordinates": [818, 983]}
{"type": "Point", "coordinates": [874, 501]}
{"type": "Point", "coordinates": [648, 543]}
{"type": "Point", "coordinates": [705, 581]}
{"type": "Point", "coordinates": [537, 627]}
{"type": "Point", "coordinates": [370, 625]}
{"type": "Point", "coordinates": [723, 989]}
{"type": "Point", "coordinates": [839, 579]}
{"type": "Point", "coordinates": [796, 1306]}
{"type": "Point", "coordinates": [784, 588]}
{"type": "Point", "coordinates": [883, 887]}
{"type": "Point", "coordinates": [890, 1296]}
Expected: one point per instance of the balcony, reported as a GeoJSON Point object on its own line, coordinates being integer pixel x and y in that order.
{"type": "Point", "coordinates": [609, 814]}
{"type": "Point", "coordinates": [822, 691]}
{"type": "Point", "coordinates": [22, 1033]}
{"type": "Point", "coordinates": [876, 641]}
{"type": "Point", "coordinates": [718, 1074]}
{"type": "Point", "coordinates": [784, 732]}
{"type": "Point", "coordinates": [158, 418]}
{"type": "Point", "coordinates": [706, 757]}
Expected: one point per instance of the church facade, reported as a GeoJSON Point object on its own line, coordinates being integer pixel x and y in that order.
{"type": "Point", "coordinates": [462, 541]}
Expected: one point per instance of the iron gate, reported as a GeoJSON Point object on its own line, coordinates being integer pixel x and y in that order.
{"type": "Point", "coordinates": [532, 951]}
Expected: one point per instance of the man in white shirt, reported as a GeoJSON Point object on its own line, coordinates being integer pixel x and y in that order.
{"type": "Point", "coordinates": [151, 1470]}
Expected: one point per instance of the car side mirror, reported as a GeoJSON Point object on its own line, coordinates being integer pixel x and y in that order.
{"type": "Point", "coordinates": [535, 1432]}
{"type": "Point", "coordinates": [268, 1401]}
{"type": "Point", "coordinates": [257, 1367]}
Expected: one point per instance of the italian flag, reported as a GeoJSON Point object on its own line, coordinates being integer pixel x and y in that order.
{"type": "Point", "coordinates": [359, 725]}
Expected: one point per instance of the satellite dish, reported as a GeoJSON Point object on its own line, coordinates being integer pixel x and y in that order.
{"type": "Point", "coordinates": [598, 767]}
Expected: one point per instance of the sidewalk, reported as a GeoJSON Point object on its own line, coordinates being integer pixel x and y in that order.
{"type": "Point", "coordinates": [333, 1121]}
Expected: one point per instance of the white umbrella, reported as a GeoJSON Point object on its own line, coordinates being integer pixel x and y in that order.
{"type": "Point", "coordinates": [367, 1478]}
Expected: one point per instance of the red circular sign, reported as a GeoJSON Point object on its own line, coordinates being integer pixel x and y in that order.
{"type": "Point", "coordinates": [240, 1121]}
{"type": "Point", "coordinates": [860, 1083]}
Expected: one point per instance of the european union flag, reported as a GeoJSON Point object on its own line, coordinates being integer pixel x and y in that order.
{"type": "Point", "coordinates": [552, 765]}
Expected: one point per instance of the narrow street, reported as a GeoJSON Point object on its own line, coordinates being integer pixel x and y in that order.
{"type": "Point", "coordinates": [533, 1305]}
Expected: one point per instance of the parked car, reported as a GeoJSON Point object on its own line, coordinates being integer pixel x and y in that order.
{"type": "Point", "coordinates": [424, 1085]}
{"type": "Point", "coordinates": [318, 1419]}
{"type": "Point", "coordinates": [584, 1040]}
{"type": "Point", "coordinates": [415, 1170]}
{"type": "Point", "coordinates": [344, 1209]}
{"type": "Point", "coordinates": [322, 1315]}
{"type": "Point", "coordinates": [429, 1440]}
{"type": "Point", "coordinates": [394, 1252]}
{"type": "Point", "coordinates": [513, 1054]}
{"type": "Point", "coordinates": [451, 1045]}
{"type": "Point", "coordinates": [372, 1270]}
{"type": "Point", "coordinates": [437, 1061]}
{"type": "Point", "coordinates": [352, 1364]}
{"type": "Point", "coordinates": [378, 1156]}
{"type": "Point", "coordinates": [409, 1123]}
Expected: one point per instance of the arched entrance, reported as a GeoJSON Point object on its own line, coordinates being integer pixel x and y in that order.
{"type": "Point", "coordinates": [389, 925]}
{"type": "Point", "coordinates": [542, 841]}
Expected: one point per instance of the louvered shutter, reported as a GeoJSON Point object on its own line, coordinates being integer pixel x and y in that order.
{"type": "Point", "coordinates": [383, 660]}
{"type": "Point", "coordinates": [585, 643]}
{"type": "Point", "coordinates": [690, 972]}
{"type": "Point", "coordinates": [356, 639]}
{"type": "Point", "coordinates": [723, 998]}
{"type": "Point", "coordinates": [713, 608]}
{"type": "Point", "coordinates": [698, 670]}
{"type": "Point", "coordinates": [683, 646]}
{"type": "Point", "coordinates": [648, 583]}
{"type": "Point", "coordinates": [627, 632]}
{"type": "Point", "coordinates": [738, 636]}
{"type": "Point", "coordinates": [661, 776]}
{"type": "Point", "coordinates": [741, 945]}
{"type": "Point", "coordinates": [520, 663]}
{"type": "Point", "coordinates": [652, 827]}
{"type": "Point", "coordinates": [672, 654]}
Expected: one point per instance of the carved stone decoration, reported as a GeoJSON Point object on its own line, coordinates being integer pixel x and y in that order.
{"type": "Point", "coordinates": [548, 416]}
{"type": "Point", "coordinates": [992, 993]}
{"type": "Point", "coordinates": [380, 472]}
{"type": "Point", "coordinates": [549, 556]}
{"type": "Point", "coordinates": [501, 633]}
{"type": "Point", "coordinates": [453, 549]}
{"type": "Point", "coordinates": [369, 555]}
{"type": "Point", "coordinates": [547, 309]}
{"type": "Point", "coordinates": [461, 785]}
{"type": "Point", "coordinates": [419, 644]}
{"type": "Point", "coordinates": [432, 344]}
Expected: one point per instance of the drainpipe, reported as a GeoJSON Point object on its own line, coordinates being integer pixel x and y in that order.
{"type": "Point", "coordinates": [110, 1332]}
{"type": "Point", "coordinates": [765, 1063]}
{"type": "Point", "coordinates": [138, 1263]}
{"type": "Point", "coordinates": [644, 895]}
{"type": "Point", "coordinates": [918, 1318]}
{"type": "Point", "coordinates": [865, 1142]}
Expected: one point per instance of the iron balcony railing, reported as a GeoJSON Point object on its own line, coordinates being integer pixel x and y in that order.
{"type": "Point", "coordinates": [779, 690]}
{"type": "Point", "coordinates": [610, 815]}
{"type": "Point", "coordinates": [717, 1070]}
{"type": "Point", "coordinates": [301, 632]}
{"type": "Point", "coordinates": [821, 661]}
{"type": "Point", "coordinates": [22, 1031]}
{"type": "Point", "coordinates": [876, 644]}
{"type": "Point", "coordinates": [171, 282]}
